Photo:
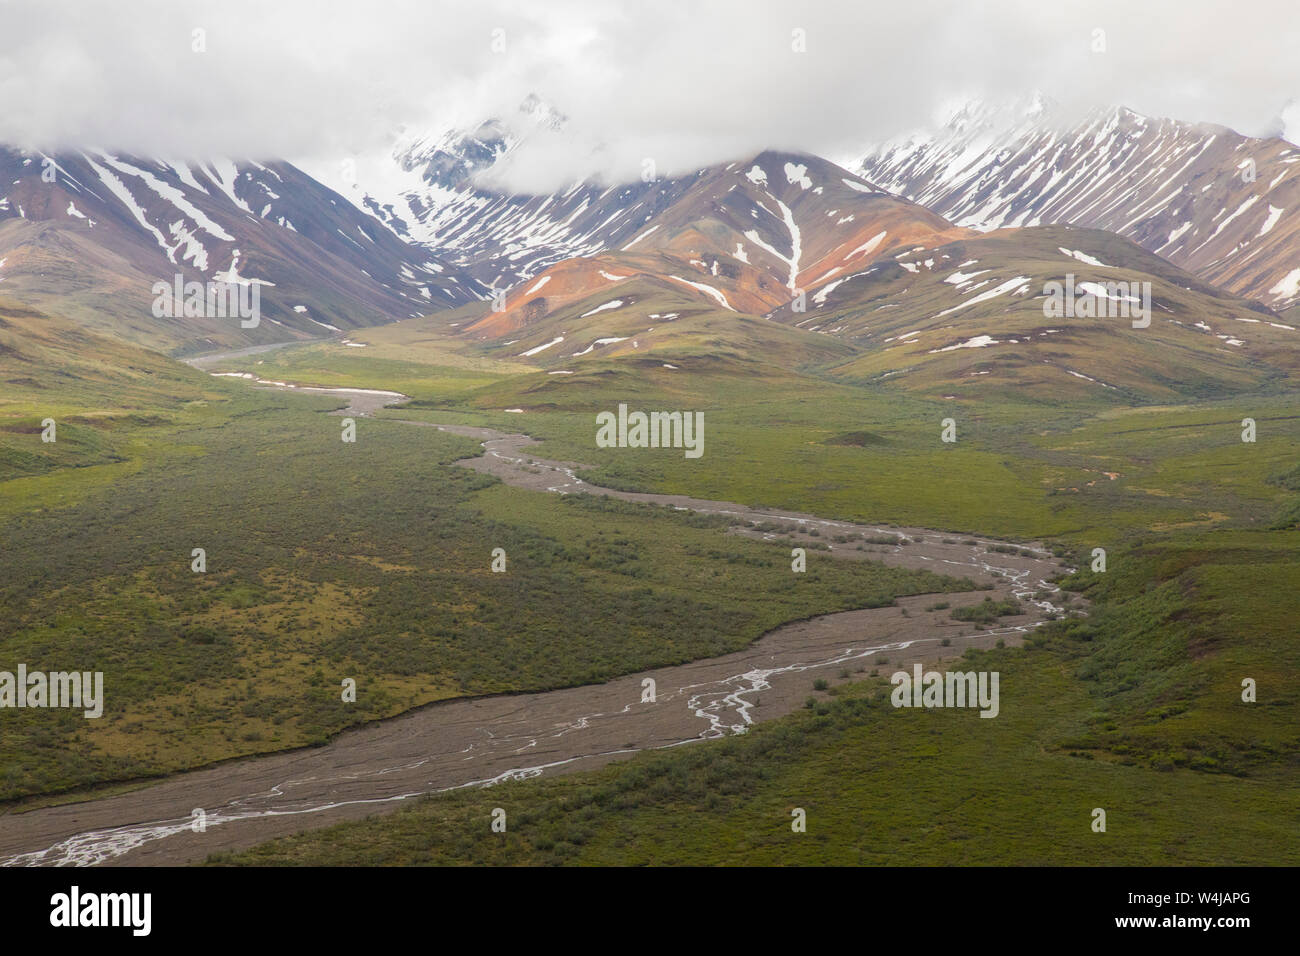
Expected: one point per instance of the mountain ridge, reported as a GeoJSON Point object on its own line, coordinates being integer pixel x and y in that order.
{"type": "Point", "coordinates": [88, 233]}
{"type": "Point", "coordinates": [1218, 203]}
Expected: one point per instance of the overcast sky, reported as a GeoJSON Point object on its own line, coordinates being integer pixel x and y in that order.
{"type": "Point", "coordinates": [685, 83]}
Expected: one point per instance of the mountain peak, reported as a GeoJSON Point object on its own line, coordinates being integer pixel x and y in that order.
{"type": "Point", "coordinates": [1200, 195]}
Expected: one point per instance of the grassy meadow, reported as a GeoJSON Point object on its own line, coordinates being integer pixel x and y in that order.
{"type": "Point", "coordinates": [328, 560]}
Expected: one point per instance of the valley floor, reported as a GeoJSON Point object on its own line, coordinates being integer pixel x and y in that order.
{"type": "Point", "coordinates": [327, 560]}
{"type": "Point", "coordinates": [477, 741]}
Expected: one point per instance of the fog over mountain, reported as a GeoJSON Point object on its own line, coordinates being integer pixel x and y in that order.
{"type": "Point", "coordinates": [683, 85]}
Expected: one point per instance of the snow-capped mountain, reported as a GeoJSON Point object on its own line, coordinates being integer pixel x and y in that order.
{"type": "Point", "coordinates": [435, 190]}
{"type": "Point", "coordinates": [91, 232]}
{"type": "Point", "coordinates": [1222, 205]}
{"type": "Point", "coordinates": [748, 236]}
{"type": "Point", "coordinates": [758, 228]}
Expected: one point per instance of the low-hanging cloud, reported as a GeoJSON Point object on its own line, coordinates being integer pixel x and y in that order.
{"type": "Point", "coordinates": [680, 83]}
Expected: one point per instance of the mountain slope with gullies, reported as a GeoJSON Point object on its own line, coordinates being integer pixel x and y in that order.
{"type": "Point", "coordinates": [89, 233]}
{"type": "Point", "coordinates": [1048, 311]}
{"type": "Point", "coordinates": [1221, 205]}
{"type": "Point", "coordinates": [875, 287]}
{"type": "Point", "coordinates": [450, 196]}
{"type": "Point", "coordinates": [744, 238]}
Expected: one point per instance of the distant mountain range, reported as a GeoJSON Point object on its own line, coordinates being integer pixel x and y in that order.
{"type": "Point", "coordinates": [928, 264]}
{"type": "Point", "coordinates": [1223, 206]}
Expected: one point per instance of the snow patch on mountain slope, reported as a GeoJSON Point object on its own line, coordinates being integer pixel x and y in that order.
{"type": "Point", "coordinates": [606, 341]}
{"type": "Point", "coordinates": [867, 247]}
{"type": "Point", "coordinates": [615, 304]}
{"type": "Point", "coordinates": [1083, 257]}
{"type": "Point", "coordinates": [978, 342]}
{"type": "Point", "coordinates": [542, 348]}
{"type": "Point", "coordinates": [707, 290]}
{"type": "Point", "coordinates": [797, 173]}
{"type": "Point", "coordinates": [120, 190]}
{"type": "Point", "coordinates": [1019, 282]}
{"type": "Point", "coordinates": [1289, 287]}
{"type": "Point", "coordinates": [1274, 214]}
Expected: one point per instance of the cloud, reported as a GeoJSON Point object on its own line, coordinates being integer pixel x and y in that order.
{"type": "Point", "coordinates": [683, 84]}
